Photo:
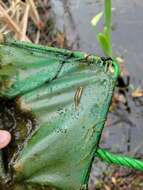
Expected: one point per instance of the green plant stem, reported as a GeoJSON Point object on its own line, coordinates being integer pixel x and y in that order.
{"type": "Point", "coordinates": [108, 17]}
{"type": "Point", "coordinates": [108, 20]}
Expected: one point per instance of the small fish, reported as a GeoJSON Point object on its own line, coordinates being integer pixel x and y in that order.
{"type": "Point", "coordinates": [77, 96]}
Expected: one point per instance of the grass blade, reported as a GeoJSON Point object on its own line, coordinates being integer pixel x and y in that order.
{"type": "Point", "coordinates": [104, 44]}
{"type": "Point", "coordinates": [96, 19]}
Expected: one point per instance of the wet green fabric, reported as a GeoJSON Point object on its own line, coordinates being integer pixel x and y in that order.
{"type": "Point", "coordinates": [69, 94]}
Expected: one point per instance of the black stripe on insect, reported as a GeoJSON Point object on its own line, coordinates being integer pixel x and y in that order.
{"type": "Point", "coordinates": [105, 59]}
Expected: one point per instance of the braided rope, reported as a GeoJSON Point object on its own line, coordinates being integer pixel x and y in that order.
{"type": "Point", "coordinates": [119, 159]}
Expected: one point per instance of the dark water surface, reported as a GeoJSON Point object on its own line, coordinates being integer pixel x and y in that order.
{"type": "Point", "coordinates": [74, 17]}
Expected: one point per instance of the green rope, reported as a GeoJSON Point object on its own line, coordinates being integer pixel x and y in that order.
{"type": "Point", "coordinates": [119, 159]}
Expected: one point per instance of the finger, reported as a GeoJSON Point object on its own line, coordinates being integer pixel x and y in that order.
{"type": "Point", "coordinates": [5, 138]}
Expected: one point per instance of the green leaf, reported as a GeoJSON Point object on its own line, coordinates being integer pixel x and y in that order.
{"type": "Point", "coordinates": [104, 44]}
{"type": "Point", "coordinates": [96, 19]}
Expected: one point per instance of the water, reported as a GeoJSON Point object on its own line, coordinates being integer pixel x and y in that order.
{"type": "Point", "coordinates": [74, 19]}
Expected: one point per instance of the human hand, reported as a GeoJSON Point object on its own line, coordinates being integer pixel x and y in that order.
{"type": "Point", "coordinates": [5, 138]}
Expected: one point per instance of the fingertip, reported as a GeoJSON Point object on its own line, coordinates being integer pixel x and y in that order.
{"type": "Point", "coordinates": [5, 138]}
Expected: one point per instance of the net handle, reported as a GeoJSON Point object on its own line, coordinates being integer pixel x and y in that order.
{"type": "Point", "coordinates": [120, 160]}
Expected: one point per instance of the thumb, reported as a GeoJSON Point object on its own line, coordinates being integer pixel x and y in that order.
{"type": "Point", "coordinates": [5, 138]}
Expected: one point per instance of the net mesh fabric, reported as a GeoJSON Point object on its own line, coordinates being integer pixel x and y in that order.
{"type": "Point", "coordinates": [69, 94]}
